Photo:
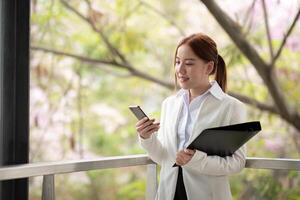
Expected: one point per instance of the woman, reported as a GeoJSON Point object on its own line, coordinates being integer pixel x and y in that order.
{"type": "Point", "coordinates": [198, 105]}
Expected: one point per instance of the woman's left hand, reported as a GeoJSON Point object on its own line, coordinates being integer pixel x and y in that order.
{"type": "Point", "coordinates": [184, 156]}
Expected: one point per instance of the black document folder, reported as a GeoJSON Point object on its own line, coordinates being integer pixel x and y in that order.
{"type": "Point", "coordinates": [224, 140]}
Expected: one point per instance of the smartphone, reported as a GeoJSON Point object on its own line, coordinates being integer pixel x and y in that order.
{"type": "Point", "coordinates": [138, 112]}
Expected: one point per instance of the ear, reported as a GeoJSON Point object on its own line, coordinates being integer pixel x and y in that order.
{"type": "Point", "coordinates": [209, 67]}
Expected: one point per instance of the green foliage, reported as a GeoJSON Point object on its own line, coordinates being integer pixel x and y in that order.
{"type": "Point", "coordinates": [78, 104]}
{"type": "Point", "coordinates": [132, 191]}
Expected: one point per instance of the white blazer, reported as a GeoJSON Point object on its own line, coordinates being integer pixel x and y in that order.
{"type": "Point", "coordinates": [205, 177]}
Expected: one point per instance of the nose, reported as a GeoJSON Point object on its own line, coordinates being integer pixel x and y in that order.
{"type": "Point", "coordinates": [180, 68]}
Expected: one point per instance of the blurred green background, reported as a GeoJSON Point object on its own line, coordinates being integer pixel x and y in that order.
{"type": "Point", "coordinates": [91, 59]}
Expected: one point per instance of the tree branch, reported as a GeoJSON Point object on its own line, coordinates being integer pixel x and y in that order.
{"type": "Point", "coordinates": [111, 48]}
{"type": "Point", "coordinates": [82, 58]}
{"type": "Point", "coordinates": [133, 71]}
{"type": "Point", "coordinates": [267, 29]}
{"type": "Point", "coordinates": [267, 75]}
{"type": "Point", "coordinates": [255, 103]}
{"type": "Point", "coordinates": [234, 32]}
{"type": "Point", "coordinates": [163, 15]}
{"type": "Point", "coordinates": [130, 12]}
{"type": "Point", "coordinates": [249, 15]}
{"type": "Point", "coordinates": [285, 39]}
{"type": "Point", "coordinates": [139, 74]}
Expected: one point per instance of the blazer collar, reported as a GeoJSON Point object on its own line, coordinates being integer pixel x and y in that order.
{"type": "Point", "coordinates": [216, 90]}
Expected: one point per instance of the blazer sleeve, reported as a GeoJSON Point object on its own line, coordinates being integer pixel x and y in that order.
{"type": "Point", "coordinates": [216, 165]}
{"type": "Point", "coordinates": [155, 145]}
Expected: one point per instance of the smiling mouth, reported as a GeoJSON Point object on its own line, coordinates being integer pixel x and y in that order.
{"type": "Point", "coordinates": [183, 79]}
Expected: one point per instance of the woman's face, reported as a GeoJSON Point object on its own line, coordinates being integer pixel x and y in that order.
{"type": "Point", "coordinates": [191, 71]}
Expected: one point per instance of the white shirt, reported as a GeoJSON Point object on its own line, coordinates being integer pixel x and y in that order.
{"type": "Point", "coordinates": [187, 117]}
{"type": "Point", "coordinates": [205, 177]}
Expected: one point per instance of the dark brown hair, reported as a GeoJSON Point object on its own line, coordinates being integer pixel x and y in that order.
{"type": "Point", "coordinates": [206, 49]}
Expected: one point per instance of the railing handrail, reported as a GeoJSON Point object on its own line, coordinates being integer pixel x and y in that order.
{"type": "Point", "coordinates": [60, 167]}
{"type": "Point", "coordinates": [273, 163]}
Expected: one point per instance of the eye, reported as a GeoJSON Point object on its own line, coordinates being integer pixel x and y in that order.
{"type": "Point", "coordinates": [177, 62]}
{"type": "Point", "coordinates": [189, 64]}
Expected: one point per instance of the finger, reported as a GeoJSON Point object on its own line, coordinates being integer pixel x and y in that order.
{"type": "Point", "coordinates": [178, 155]}
{"type": "Point", "coordinates": [144, 122]}
{"type": "Point", "coordinates": [148, 133]}
{"type": "Point", "coordinates": [144, 125]}
{"type": "Point", "coordinates": [140, 122]}
{"type": "Point", "coordinates": [151, 131]}
{"type": "Point", "coordinates": [147, 123]}
{"type": "Point", "coordinates": [150, 127]}
{"type": "Point", "coordinates": [180, 152]}
{"type": "Point", "coordinates": [181, 157]}
{"type": "Point", "coordinates": [182, 160]}
{"type": "Point", "coordinates": [179, 161]}
{"type": "Point", "coordinates": [189, 152]}
{"type": "Point", "coordinates": [185, 157]}
{"type": "Point", "coordinates": [157, 123]}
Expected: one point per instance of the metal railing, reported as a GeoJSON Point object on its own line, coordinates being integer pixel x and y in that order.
{"type": "Point", "coordinates": [50, 169]}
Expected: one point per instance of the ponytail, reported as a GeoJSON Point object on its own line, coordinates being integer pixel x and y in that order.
{"type": "Point", "coordinates": [221, 75]}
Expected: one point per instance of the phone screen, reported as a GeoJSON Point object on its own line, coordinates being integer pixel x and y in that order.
{"type": "Point", "coordinates": [138, 112]}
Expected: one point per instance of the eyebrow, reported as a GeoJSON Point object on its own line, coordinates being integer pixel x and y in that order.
{"type": "Point", "coordinates": [191, 59]}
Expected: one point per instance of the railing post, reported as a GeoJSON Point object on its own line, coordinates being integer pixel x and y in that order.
{"type": "Point", "coordinates": [151, 187]}
{"type": "Point", "coordinates": [48, 188]}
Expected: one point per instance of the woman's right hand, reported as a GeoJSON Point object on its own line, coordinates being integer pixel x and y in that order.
{"type": "Point", "coordinates": [146, 127]}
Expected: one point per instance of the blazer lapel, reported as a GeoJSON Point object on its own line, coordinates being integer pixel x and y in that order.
{"type": "Point", "coordinates": [174, 116]}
